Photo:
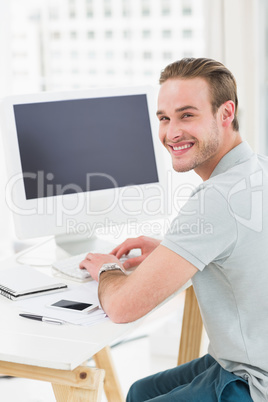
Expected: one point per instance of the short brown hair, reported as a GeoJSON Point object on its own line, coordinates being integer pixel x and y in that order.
{"type": "Point", "coordinates": [221, 81]}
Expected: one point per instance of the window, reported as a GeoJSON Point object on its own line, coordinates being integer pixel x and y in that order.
{"type": "Point", "coordinates": [126, 9]}
{"type": "Point", "coordinates": [128, 55]}
{"type": "Point", "coordinates": [167, 56]}
{"type": "Point", "coordinates": [147, 55]}
{"type": "Point", "coordinates": [73, 34]}
{"type": "Point", "coordinates": [72, 14]}
{"type": "Point", "coordinates": [108, 34]}
{"type": "Point", "coordinates": [107, 8]}
{"type": "Point", "coordinates": [187, 33]}
{"type": "Point", "coordinates": [74, 54]}
{"type": "Point", "coordinates": [55, 35]}
{"type": "Point", "coordinates": [166, 11]}
{"type": "Point", "coordinates": [166, 34]}
{"type": "Point", "coordinates": [127, 34]}
{"type": "Point", "coordinates": [166, 7]}
{"type": "Point", "coordinates": [91, 55]}
{"type": "Point", "coordinates": [109, 55]}
{"type": "Point", "coordinates": [108, 12]}
{"type": "Point", "coordinates": [145, 8]}
{"type": "Point", "coordinates": [91, 35]}
{"type": "Point", "coordinates": [186, 10]}
{"type": "Point", "coordinates": [145, 12]}
{"type": "Point", "coordinates": [146, 34]}
{"type": "Point", "coordinates": [89, 13]}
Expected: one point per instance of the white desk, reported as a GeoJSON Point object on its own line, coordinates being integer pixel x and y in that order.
{"type": "Point", "coordinates": [55, 353]}
{"type": "Point", "coordinates": [36, 350]}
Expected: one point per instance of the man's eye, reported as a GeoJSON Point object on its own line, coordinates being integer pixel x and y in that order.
{"type": "Point", "coordinates": [186, 115]}
{"type": "Point", "coordinates": [163, 118]}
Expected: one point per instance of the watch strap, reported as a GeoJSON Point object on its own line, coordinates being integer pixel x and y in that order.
{"type": "Point", "coordinates": [111, 267]}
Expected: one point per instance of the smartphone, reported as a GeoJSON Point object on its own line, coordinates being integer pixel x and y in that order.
{"type": "Point", "coordinates": [72, 305]}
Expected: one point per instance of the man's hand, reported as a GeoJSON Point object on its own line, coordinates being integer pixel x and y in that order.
{"type": "Point", "coordinates": [145, 244]}
{"type": "Point", "coordinates": [93, 263]}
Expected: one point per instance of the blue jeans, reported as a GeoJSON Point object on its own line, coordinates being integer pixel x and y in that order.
{"type": "Point", "coordinates": [201, 380]}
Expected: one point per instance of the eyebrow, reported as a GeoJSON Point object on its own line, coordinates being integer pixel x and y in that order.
{"type": "Point", "coordinates": [178, 110]}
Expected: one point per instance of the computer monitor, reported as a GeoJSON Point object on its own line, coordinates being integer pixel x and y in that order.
{"type": "Point", "coordinates": [80, 160]}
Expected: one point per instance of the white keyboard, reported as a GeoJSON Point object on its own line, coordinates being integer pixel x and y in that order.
{"type": "Point", "coordinates": [70, 267]}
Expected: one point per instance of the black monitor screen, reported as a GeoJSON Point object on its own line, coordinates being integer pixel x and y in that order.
{"type": "Point", "coordinates": [83, 145]}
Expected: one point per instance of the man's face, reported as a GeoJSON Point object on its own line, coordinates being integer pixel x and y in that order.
{"type": "Point", "coordinates": [187, 126]}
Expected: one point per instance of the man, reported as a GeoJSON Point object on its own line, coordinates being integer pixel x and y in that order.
{"type": "Point", "coordinates": [197, 112]}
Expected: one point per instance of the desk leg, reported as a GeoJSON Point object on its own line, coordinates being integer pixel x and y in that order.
{"type": "Point", "coordinates": [83, 384]}
{"type": "Point", "coordinates": [192, 327]}
{"type": "Point", "coordinates": [64, 393]}
{"type": "Point", "coordinates": [103, 359]}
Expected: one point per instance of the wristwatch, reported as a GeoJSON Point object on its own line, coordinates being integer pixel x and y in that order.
{"type": "Point", "coordinates": [111, 267]}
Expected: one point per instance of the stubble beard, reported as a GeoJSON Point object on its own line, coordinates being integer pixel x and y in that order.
{"type": "Point", "coordinates": [204, 151]}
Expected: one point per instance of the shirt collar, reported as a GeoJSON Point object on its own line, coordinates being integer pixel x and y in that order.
{"type": "Point", "coordinates": [239, 154]}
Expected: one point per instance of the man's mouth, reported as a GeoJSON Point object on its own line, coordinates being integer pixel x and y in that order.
{"type": "Point", "coordinates": [178, 148]}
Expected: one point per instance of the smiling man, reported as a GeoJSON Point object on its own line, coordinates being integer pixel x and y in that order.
{"type": "Point", "coordinates": [190, 125]}
{"type": "Point", "coordinates": [197, 112]}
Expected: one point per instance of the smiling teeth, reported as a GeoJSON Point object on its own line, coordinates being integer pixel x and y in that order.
{"type": "Point", "coordinates": [182, 147]}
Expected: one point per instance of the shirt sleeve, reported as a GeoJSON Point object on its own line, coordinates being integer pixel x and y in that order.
{"type": "Point", "coordinates": [205, 229]}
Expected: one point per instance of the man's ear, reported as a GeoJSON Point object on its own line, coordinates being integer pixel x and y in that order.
{"type": "Point", "coordinates": [227, 113]}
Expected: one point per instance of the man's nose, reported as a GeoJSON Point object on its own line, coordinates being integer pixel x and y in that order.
{"type": "Point", "coordinates": [174, 132]}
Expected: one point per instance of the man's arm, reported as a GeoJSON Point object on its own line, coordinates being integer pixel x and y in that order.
{"type": "Point", "coordinates": [126, 298]}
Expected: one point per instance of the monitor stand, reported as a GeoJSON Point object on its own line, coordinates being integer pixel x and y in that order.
{"type": "Point", "coordinates": [77, 244]}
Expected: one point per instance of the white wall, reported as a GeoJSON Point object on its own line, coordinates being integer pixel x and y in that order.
{"type": "Point", "coordinates": [232, 38]}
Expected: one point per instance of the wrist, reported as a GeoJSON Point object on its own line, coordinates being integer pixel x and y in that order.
{"type": "Point", "coordinates": [111, 267]}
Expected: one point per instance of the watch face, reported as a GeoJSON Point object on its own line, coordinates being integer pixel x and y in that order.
{"type": "Point", "coordinates": [111, 266]}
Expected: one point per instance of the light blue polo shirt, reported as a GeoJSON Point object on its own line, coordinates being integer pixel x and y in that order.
{"type": "Point", "coordinates": [223, 231]}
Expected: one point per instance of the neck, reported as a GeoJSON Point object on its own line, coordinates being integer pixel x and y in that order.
{"type": "Point", "coordinates": [205, 170]}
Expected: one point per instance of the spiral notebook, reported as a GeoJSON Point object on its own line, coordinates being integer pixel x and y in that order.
{"type": "Point", "coordinates": [22, 281]}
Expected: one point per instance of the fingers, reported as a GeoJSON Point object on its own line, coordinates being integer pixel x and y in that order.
{"type": "Point", "coordinates": [120, 251]}
{"type": "Point", "coordinates": [85, 263]}
{"type": "Point", "coordinates": [98, 259]}
{"type": "Point", "coordinates": [125, 247]}
{"type": "Point", "coordinates": [88, 259]}
{"type": "Point", "coordinates": [93, 262]}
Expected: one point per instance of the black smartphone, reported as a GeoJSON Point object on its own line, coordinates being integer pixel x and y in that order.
{"type": "Point", "coordinates": [73, 305]}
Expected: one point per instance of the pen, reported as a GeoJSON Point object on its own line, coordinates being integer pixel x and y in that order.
{"type": "Point", "coordinates": [41, 318]}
